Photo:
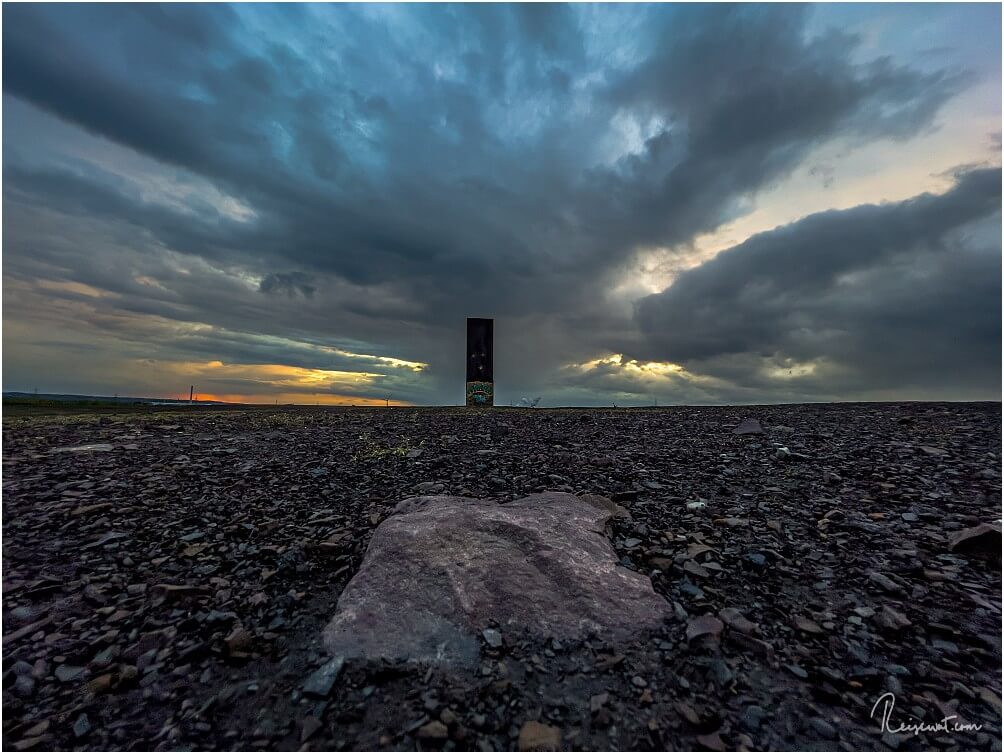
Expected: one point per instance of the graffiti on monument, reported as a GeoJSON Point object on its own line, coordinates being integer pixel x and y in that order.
{"type": "Point", "coordinates": [480, 394]}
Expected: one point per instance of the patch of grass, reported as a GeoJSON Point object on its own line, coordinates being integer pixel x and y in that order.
{"type": "Point", "coordinates": [370, 450]}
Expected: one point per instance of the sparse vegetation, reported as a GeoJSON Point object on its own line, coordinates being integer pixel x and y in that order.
{"type": "Point", "coordinates": [372, 450]}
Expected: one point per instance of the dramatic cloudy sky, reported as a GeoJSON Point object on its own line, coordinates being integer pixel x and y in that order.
{"type": "Point", "coordinates": [689, 203]}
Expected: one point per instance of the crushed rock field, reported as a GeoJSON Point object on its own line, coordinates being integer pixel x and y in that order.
{"type": "Point", "coordinates": [168, 576]}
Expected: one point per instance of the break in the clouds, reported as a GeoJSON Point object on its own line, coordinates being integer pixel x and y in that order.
{"type": "Point", "coordinates": [684, 203]}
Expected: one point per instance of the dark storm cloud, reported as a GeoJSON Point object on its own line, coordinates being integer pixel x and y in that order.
{"type": "Point", "coordinates": [402, 167]}
{"type": "Point", "coordinates": [289, 283]}
{"type": "Point", "coordinates": [746, 95]}
{"type": "Point", "coordinates": [904, 293]}
{"type": "Point", "coordinates": [455, 201]}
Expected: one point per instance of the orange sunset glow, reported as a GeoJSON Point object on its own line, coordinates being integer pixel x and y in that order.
{"type": "Point", "coordinates": [319, 399]}
{"type": "Point", "coordinates": [279, 383]}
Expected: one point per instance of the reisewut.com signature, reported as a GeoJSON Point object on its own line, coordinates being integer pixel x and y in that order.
{"type": "Point", "coordinates": [948, 724]}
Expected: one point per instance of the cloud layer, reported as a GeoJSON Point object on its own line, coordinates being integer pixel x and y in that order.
{"type": "Point", "coordinates": [283, 185]}
{"type": "Point", "coordinates": [900, 296]}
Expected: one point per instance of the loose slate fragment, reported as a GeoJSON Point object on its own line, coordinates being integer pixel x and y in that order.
{"type": "Point", "coordinates": [535, 736]}
{"type": "Point", "coordinates": [598, 701]}
{"type": "Point", "coordinates": [885, 582]}
{"type": "Point", "coordinates": [978, 539]}
{"type": "Point", "coordinates": [748, 427]}
{"type": "Point", "coordinates": [492, 637]}
{"type": "Point", "coordinates": [734, 619]}
{"type": "Point", "coordinates": [94, 447]}
{"type": "Point", "coordinates": [696, 570]}
{"type": "Point", "coordinates": [433, 731]}
{"type": "Point", "coordinates": [82, 726]}
{"type": "Point", "coordinates": [442, 568]}
{"type": "Point", "coordinates": [807, 625]}
{"type": "Point", "coordinates": [322, 680]}
{"type": "Point", "coordinates": [704, 626]}
{"type": "Point", "coordinates": [67, 673]}
{"type": "Point", "coordinates": [892, 619]}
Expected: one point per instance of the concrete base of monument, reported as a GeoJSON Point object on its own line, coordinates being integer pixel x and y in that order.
{"type": "Point", "coordinates": [440, 571]}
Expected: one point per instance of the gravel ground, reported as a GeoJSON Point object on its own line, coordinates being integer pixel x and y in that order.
{"type": "Point", "coordinates": [165, 585]}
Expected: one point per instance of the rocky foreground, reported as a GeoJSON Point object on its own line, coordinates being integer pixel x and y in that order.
{"type": "Point", "coordinates": [167, 579]}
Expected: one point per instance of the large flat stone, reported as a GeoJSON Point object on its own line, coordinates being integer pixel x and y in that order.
{"type": "Point", "coordinates": [441, 569]}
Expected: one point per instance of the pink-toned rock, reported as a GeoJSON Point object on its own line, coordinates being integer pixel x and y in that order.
{"type": "Point", "coordinates": [442, 569]}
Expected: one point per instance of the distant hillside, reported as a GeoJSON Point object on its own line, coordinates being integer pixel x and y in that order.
{"type": "Point", "coordinates": [40, 399]}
